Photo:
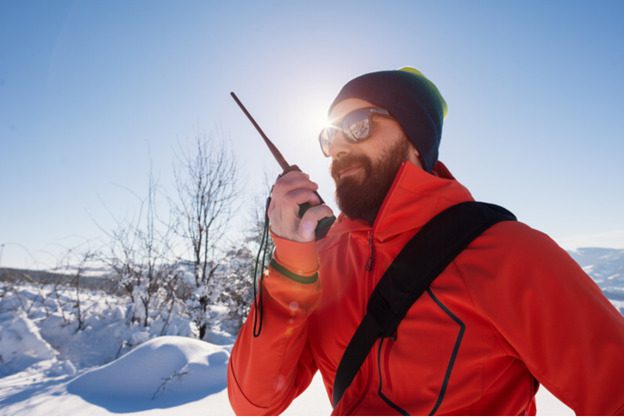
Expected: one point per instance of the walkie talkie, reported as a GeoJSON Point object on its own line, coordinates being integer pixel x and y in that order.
{"type": "Point", "coordinates": [326, 222]}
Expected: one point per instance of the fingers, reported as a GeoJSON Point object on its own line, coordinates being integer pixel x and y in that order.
{"type": "Point", "coordinates": [293, 180]}
{"type": "Point", "coordinates": [310, 219]}
{"type": "Point", "coordinates": [290, 191]}
{"type": "Point", "coordinates": [301, 196]}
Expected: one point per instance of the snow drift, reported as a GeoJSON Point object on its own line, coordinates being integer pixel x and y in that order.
{"type": "Point", "coordinates": [21, 344]}
{"type": "Point", "coordinates": [161, 373]}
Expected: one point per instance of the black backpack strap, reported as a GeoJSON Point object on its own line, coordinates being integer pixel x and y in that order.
{"type": "Point", "coordinates": [424, 257]}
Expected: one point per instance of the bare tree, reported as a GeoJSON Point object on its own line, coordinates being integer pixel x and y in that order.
{"type": "Point", "coordinates": [141, 255]}
{"type": "Point", "coordinates": [258, 220]}
{"type": "Point", "coordinates": [207, 187]}
{"type": "Point", "coordinates": [60, 303]}
{"type": "Point", "coordinates": [85, 258]}
{"type": "Point", "coordinates": [155, 248]}
{"type": "Point", "coordinates": [15, 288]}
{"type": "Point", "coordinates": [76, 262]}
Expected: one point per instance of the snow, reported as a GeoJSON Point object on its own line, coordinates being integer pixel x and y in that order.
{"type": "Point", "coordinates": [21, 344]}
{"type": "Point", "coordinates": [163, 372]}
{"type": "Point", "coordinates": [168, 375]}
{"type": "Point", "coordinates": [112, 365]}
{"type": "Point", "coordinates": [173, 374]}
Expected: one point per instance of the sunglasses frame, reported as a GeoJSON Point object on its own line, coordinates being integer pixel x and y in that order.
{"type": "Point", "coordinates": [346, 123]}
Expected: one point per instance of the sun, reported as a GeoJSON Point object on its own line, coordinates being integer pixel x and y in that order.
{"type": "Point", "coordinates": [315, 113]}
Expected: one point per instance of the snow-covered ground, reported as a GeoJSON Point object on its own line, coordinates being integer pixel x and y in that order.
{"type": "Point", "coordinates": [112, 365]}
{"type": "Point", "coordinates": [169, 375]}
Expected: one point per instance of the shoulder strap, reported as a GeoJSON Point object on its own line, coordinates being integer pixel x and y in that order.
{"type": "Point", "coordinates": [410, 274]}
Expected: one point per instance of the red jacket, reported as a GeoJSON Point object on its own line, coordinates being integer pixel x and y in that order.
{"type": "Point", "coordinates": [511, 310]}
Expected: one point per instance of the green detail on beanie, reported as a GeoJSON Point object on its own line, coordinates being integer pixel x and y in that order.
{"type": "Point", "coordinates": [432, 87]}
{"type": "Point", "coordinates": [412, 70]}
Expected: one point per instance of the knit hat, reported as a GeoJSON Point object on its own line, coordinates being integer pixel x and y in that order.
{"type": "Point", "coordinates": [411, 99]}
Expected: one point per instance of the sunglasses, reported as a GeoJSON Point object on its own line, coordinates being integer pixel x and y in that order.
{"type": "Point", "coordinates": [355, 126]}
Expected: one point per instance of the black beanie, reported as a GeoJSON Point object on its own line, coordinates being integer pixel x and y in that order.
{"type": "Point", "coordinates": [411, 99]}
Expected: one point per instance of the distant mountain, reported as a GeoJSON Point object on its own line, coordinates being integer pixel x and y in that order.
{"type": "Point", "coordinates": [94, 281]}
{"type": "Point", "coordinates": [606, 267]}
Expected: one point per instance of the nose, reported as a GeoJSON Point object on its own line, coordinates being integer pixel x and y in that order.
{"type": "Point", "coordinates": [339, 147]}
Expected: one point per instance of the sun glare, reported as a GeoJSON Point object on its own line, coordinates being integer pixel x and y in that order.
{"type": "Point", "coordinates": [304, 119]}
{"type": "Point", "coordinates": [315, 118]}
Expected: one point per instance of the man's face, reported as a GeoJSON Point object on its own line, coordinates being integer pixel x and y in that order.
{"type": "Point", "coordinates": [364, 171]}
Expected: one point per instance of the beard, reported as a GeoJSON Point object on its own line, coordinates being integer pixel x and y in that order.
{"type": "Point", "coordinates": [362, 198]}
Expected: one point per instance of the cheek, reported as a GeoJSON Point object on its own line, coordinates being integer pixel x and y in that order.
{"type": "Point", "coordinates": [389, 147]}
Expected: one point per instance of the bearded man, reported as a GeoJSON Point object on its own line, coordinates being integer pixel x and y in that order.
{"type": "Point", "coordinates": [511, 311]}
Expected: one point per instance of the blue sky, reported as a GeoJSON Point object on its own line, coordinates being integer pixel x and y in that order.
{"type": "Point", "coordinates": [92, 93]}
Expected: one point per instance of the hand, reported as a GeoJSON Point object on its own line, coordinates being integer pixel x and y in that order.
{"type": "Point", "coordinates": [291, 190]}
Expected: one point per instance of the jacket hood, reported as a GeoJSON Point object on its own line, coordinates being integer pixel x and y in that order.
{"type": "Point", "coordinates": [415, 196]}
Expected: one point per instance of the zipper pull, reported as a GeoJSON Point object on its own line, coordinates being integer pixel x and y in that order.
{"type": "Point", "coordinates": [371, 251]}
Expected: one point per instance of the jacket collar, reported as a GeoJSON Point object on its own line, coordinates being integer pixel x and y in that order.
{"type": "Point", "coordinates": [413, 199]}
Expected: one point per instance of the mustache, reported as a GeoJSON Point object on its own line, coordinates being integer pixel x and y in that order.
{"type": "Point", "coordinates": [346, 162]}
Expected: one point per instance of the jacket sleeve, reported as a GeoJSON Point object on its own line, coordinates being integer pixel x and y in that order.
{"type": "Point", "coordinates": [267, 372]}
{"type": "Point", "coordinates": [555, 318]}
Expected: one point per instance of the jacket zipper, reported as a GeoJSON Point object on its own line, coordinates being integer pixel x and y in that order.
{"type": "Point", "coordinates": [371, 251]}
{"type": "Point", "coordinates": [370, 263]}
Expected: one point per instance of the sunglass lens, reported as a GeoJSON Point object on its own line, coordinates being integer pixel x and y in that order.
{"type": "Point", "coordinates": [356, 126]}
{"type": "Point", "coordinates": [359, 129]}
{"type": "Point", "coordinates": [326, 137]}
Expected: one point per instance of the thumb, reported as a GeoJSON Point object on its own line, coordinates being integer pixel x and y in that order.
{"type": "Point", "coordinates": [307, 229]}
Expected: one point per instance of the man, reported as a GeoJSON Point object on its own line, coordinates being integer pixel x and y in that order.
{"type": "Point", "coordinates": [510, 310]}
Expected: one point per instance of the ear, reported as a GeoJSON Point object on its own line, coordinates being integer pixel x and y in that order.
{"type": "Point", "coordinates": [414, 155]}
